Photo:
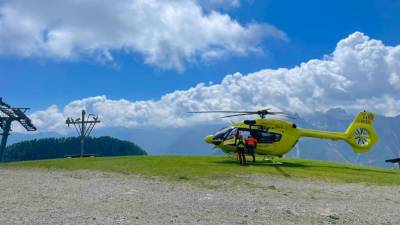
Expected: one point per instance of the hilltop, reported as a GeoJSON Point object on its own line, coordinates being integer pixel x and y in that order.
{"type": "Point", "coordinates": [213, 169]}
{"type": "Point", "coordinates": [50, 148]}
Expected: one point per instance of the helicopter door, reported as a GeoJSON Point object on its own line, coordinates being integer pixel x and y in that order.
{"type": "Point", "coordinates": [245, 133]}
{"type": "Point", "coordinates": [230, 138]}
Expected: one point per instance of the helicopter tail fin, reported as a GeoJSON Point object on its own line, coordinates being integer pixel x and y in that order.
{"type": "Point", "coordinates": [360, 134]}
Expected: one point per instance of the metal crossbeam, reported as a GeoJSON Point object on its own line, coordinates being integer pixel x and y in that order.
{"type": "Point", "coordinates": [9, 114]}
{"type": "Point", "coordinates": [83, 127]}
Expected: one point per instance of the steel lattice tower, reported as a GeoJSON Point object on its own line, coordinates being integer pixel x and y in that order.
{"type": "Point", "coordinates": [9, 114]}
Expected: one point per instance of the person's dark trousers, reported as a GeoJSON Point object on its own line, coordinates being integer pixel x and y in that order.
{"type": "Point", "coordinates": [251, 151]}
{"type": "Point", "coordinates": [242, 157]}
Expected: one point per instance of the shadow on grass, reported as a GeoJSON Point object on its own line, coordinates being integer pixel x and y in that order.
{"type": "Point", "coordinates": [265, 164]}
{"type": "Point", "coordinates": [280, 165]}
{"type": "Point", "coordinates": [282, 172]}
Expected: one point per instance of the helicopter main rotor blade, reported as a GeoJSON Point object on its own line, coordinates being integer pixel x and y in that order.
{"type": "Point", "coordinates": [288, 115]}
{"type": "Point", "coordinates": [273, 113]}
{"type": "Point", "coordinates": [281, 113]}
{"type": "Point", "coordinates": [224, 112]}
{"type": "Point", "coordinates": [262, 113]}
{"type": "Point", "coordinates": [242, 114]}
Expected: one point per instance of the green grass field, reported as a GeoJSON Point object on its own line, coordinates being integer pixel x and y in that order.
{"type": "Point", "coordinates": [210, 169]}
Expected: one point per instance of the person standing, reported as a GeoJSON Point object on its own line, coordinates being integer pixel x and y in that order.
{"type": "Point", "coordinates": [251, 145]}
{"type": "Point", "coordinates": [240, 145]}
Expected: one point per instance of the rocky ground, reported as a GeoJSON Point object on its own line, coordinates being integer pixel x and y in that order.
{"type": "Point", "coordinates": [82, 197]}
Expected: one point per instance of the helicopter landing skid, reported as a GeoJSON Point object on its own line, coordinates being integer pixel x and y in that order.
{"type": "Point", "coordinates": [271, 161]}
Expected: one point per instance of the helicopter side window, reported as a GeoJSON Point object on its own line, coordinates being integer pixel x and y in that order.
{"type": "Point", "coordinates": [266, 137]}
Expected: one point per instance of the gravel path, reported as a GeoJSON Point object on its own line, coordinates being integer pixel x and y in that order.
{"type": "Point", "coordinates": [82, 197]}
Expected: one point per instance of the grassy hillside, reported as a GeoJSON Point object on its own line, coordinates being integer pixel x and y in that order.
{"type": "Point", "coordinates": [212, 169]}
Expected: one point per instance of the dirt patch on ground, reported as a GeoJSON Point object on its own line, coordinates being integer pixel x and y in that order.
{"type": "Point", "coordinates": [82, 197]}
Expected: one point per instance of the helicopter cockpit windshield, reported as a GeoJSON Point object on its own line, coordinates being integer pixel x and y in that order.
{"type": "Point", "coordinates": [221, 134]}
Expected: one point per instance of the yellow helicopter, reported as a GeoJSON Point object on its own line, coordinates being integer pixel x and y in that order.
{"type": "Point", "coordinates": [276, 137]}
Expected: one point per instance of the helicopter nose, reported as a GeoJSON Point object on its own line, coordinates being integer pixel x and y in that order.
{"type": "Point", "coordinates": [209, 139]}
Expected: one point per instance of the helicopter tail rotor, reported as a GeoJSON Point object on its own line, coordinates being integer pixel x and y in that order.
{"type": "Point", "coordinates": [360, 133]}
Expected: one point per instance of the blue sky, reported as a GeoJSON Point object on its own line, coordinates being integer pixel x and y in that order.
{"type": "Point", "coordinates": [312, 29]}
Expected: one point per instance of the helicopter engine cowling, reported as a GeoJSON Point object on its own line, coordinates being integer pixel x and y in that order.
{"type": "Point", "coordinates": [250, 122]}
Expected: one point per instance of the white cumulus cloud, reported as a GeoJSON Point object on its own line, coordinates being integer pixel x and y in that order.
{"type": "Point", "coordinates": [225, 4]}
{"type": "Point", "coordinates": [169, 34]}
{"type": "Point", "coordinates": [360, 74]}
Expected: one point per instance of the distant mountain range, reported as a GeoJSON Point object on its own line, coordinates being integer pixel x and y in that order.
{"type": "Point", "coordinates": [388, 129]}
{"type": "Point", "coordinates": [189, 140]}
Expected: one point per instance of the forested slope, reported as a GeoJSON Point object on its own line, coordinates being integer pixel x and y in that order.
{"type": "Point", "coordinates": [49, 148]}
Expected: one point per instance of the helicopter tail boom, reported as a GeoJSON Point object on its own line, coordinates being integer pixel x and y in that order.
{"type": "Point", "coordinates": [360, 134]}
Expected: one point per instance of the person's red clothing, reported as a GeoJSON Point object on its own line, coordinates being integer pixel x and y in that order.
{"type": "Point", "coordinates": [251, 141]}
